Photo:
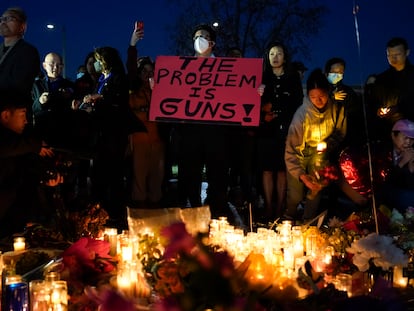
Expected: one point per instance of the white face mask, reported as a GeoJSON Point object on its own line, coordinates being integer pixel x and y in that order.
{"type": "Point", "coordinates": [334, 77]}
{"type": "Point", "coordinates": [201, 45]}
{"type": "Point", "coordinates": [98, 67]}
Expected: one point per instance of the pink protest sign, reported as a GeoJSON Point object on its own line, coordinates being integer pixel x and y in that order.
{"type": "Point", "coordinates": [206, 90]}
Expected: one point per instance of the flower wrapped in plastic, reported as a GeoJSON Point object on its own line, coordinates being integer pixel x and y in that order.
{"type": "Point", "coordinates": [376, 250]}
{"type": "Point", "coordinates": [86, 263]}
{"type": "Point", "coordinates": [323, 177]}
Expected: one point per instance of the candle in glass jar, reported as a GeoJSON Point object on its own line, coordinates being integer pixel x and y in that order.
{"type": "Point", "coordinates": [289, 258]}
{"type": "Point", "coordinates": [399, 279]}
{"type": "Point", "coordinates": [19, 244]}
{"type": "Point", "coordinates": [111, 236]}
{"type": "Point", "coordinates": [344, 283]}
{"type": "Point", "coordinates": [321, 147]}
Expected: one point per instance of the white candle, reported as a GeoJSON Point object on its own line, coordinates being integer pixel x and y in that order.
{"type": "Point", "coordinates": [321, 147]}
{"type": "Point", "coordinates": [126, 253]}
{"type": "Point", "coordinates": [125, 284]}
{"type": "Point", "coordinates": [289, 258]}
{"type": "Point", "coordinates": [19, 244]}
{"type": "Point", "coordinates": [111, 236]}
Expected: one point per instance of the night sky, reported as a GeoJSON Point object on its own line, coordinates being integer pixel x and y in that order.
{"type": "Point", "coordinates": [89, 24]}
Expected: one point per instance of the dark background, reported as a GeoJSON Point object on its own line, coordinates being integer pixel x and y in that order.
{"type": "Point", "coordinates": [89, 24]}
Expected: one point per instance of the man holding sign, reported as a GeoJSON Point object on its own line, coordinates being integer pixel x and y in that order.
{"type": "Point", "coordinates": [205, 94]}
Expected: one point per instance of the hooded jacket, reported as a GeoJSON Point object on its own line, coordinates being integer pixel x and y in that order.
{"type": "Point", "coordinates": [310, 126]}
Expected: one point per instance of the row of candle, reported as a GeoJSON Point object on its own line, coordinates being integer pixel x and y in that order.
{"type": "Point", "coordinates": [50, 294]}
{"type": "Point", "coordinates": [285, 249]}
{"type": "Point", "coordinates": [281, 247]}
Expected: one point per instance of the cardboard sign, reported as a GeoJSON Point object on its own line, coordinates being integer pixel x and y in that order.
{"type": "Point", "coordinates": [206, 90]}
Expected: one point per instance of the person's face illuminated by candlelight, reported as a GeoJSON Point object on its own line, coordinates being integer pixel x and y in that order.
{"type": "Point", "coordinates": [403, 135]}
{"type": "Point", "coordinates": [14, 119]}
{"type": "Point", "coordinates": [318, 89]}
{"type": "Point", "coordinates": [397, 53]}
{"type": "Point", "coordinates": [319, 98]}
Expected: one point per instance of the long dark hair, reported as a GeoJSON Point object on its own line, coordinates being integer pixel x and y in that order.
{"type": "Point", "coordinates": [267, 67]}
{"type": "Point", "coordinates": [110, 59]}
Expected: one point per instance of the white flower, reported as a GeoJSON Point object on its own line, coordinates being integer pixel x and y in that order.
{"type": "Point", "coordinates": [378, 249]}
{"type": "Point", "coordinates": [335, 222]}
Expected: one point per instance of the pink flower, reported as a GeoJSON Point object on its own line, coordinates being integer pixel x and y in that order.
{"type": "Point", "coordinates": [88, 253]}
{"type": "Point", "coordinates": [180, 241]}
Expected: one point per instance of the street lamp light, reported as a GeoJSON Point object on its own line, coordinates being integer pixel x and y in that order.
{"type": "Point", "coordinates": [63, 32]}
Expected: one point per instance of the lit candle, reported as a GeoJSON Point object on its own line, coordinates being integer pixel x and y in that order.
{"type": "Point", "coordinates": [124, 283]}
{"type": "Point", "coordinates": [59, 296]}
{"type": "Point", "coordinates": [398, 278]}
{"type": "Point", "coordinates": [321, 147]}
{"type": "Point", "coordinates": [297, 241]}
{"type": "Point", "coordinates": [19, 244]}
{"type": "Point", "coordinates": [289, 258]}
{"type": "Point", "coordinates": [329, 251]}
{"type": "Point", "coordinates": [126, 253]}
{"type": "Point", "coordinates": [384, 111]}
{"type": "Point", "coordinates": [111, 236]}
{"type": "Point", "coordinates": [344, 283]}
{"type": "Point", "coordinates": [311, 241]}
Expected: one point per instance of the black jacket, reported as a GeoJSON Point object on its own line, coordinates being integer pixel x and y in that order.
{"type": "Point", "coordinates": [19, 68]}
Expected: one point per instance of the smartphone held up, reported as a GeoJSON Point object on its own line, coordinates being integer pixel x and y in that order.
{"type": "Point", "coordinates": [139, 26]}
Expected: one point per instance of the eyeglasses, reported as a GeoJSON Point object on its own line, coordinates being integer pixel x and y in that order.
{"type": "Point", "coordinates": [6, 19]}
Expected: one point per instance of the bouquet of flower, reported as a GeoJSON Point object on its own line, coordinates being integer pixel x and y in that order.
{"type": "Point", "coordinates": [196, 276]}
{"type": "Point", "coordinates": [376, 251]}
{"type": "Point", "coordinates": [86, 263]}
{"type": "Point", "coordinates": [324, 176]}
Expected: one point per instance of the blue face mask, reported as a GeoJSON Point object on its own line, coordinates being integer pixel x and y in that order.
{"type": "Point", "coordinates": [80, 75]}
{"type": "Point", "coordinates": [334, 77]}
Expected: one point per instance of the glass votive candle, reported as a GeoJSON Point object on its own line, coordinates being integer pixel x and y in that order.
{"type": "Point", "coordinates": [19, 244]}
{"type": "Point", "coordinates": [39, 295]}
{"type": "Point", "coordinates": [344, 283]}
{"type": "Point", "coordinates": [52, 276]}
{"type": "Point", "coordinates": [59, 295]}
{"type": "Point", "coordinates": [288, 258]}
{"type": "Point", "coordinates": [399, 280]}
{"type": "Point", "coordinates": [15, 294]}
{"type": "Point", "coordinates": [111, 236]}
{"type": "Point", "coordinates": [311, 245]}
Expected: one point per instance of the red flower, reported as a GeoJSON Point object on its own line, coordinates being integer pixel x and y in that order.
{"type": "Point", "coordinates": [351, 226]}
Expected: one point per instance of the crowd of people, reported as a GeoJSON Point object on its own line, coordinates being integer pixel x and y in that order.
{"type": "Point", "coordinates": [99, 126]}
